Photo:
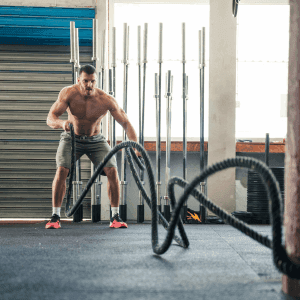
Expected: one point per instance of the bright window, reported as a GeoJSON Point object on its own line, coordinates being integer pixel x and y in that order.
{"type": "Point", "coordinates": [172, 16]}
{"type": "Point", "coordinates": [262, 71]}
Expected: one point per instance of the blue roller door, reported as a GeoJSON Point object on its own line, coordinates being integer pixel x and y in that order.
{"type": "Point", "coordinates": [44, 25]}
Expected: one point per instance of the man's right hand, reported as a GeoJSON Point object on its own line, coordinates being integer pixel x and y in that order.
{"type": "Point", "coordinates": [66, 126]}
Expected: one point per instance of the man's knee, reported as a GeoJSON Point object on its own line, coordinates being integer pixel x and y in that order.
{"type": "Point", "coordinates": [62, 173]}
{"type": "Point", "coordinates": [111, 173]}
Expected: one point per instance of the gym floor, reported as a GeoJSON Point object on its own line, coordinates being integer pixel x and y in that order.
{"type": "Point", "coordinates": [92, 261]}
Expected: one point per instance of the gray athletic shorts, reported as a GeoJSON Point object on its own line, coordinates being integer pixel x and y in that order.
{"type": "Point", "coordinates": [95, 147]}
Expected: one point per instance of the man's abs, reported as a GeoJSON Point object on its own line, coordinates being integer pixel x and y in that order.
{"type": "Point", "coordinates": [85, 127]}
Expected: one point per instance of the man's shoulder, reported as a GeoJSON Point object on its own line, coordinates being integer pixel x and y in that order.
{"type": "Point", "coordinates": [69, 91]}
{"type": "Point", "coordinates": [100, 92]}
{"type": "Point", "coordinates": [106, 99]}
{"type": "Point", "coordinates": [103, 95]}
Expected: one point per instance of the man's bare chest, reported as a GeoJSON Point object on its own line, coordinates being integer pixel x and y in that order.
{"type": "Point", "coordinates": [88, 109]}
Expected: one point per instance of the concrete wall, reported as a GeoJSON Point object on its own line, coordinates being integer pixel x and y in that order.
{"type": "Point", "coordinates": [222, 91]}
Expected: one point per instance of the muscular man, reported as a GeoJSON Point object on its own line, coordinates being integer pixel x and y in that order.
{"type": "Point", "coordinates": [86, 105]}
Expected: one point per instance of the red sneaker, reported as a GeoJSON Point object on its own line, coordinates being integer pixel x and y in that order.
{"type": "Point", "coordinates": [117, 222]}
{"type": "Point", "coordinates": [53, 223]}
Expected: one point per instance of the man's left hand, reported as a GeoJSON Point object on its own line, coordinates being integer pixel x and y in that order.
{"type": "Point", "coordinates": [137, 153]}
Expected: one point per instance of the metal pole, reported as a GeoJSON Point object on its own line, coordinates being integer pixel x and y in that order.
{"type": "Point", "coordinates": [156, 96]}
{"type": "Point", "coordinates": [169, 88]}
{"type": "Point", "coordinates": [103, 58]}
{"type": "Point", "coordinates": [203, 211]}
{"type": "Point", "coordinates": [291, 287]}
{"type": "Point", "coordinates": [111, 119]}
{"type": "Point", "coordinates": [139, 63]}
{"type": "Point", "coordinates": [112, 122]}
{"type": "Point", "coordinates": [145, 44]}
{"type": "Point", "coordinates": [72, 50]}
{"type": "Point", "coordinates": [77, 62]}
{"type": "Point", "coordinates": [101, 86]}
{"type": "Point", "coordinates": [77, 183]}
{"type": "Point", "coordinates": [111, 92]}
{"type": "Point", "coordinates": [267, 149]}
{"type": "Point", "coordinates": [144, 76]}
{"type": "Point", "coordinates": [114, 65]}
{"type": "Point", "coordinates": [158, 119]}
{"type": "Point", "coordinates": [96, 197]}
{"type": "Point", "coordinates": [96, 188]}
{"type": "Point", "coordinates": [95, 57]}
{"type": "Point", "coordinates": [184, 103]}
{"type": "Point", "coordinates": [184, 110]}
{"type": "Point", "coordinates": [123, 200]}
{"type": "Point", "coordinates": [140, 206]}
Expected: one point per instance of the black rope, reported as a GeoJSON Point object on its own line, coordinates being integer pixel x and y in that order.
{"type": "Point", "coordinates": [71, 174]}
{"type": "Point", "coordinates": [147, 166]}
{"type": "Point", "coordinates": [280, 257]}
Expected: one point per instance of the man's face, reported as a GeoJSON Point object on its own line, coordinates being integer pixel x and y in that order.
{"type": "Point", "coordinates": [87, 83]}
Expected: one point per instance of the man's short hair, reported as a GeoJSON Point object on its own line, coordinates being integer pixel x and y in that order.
{"type": "Point", "coordinates": [88, 69]}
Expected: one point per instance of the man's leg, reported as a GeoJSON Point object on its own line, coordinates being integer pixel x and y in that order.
{"type": "Point", "coordinates": [59, 186]}
{"type": "Point", "coordinates": [113, 190]}
{"type": "Point", "coordinates": [58, 193]}
{"type": "Point", "coordinates": [113, 186]}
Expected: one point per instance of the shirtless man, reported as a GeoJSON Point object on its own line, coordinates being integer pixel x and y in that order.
{"type": "Point", "coordinates": [86, 105]}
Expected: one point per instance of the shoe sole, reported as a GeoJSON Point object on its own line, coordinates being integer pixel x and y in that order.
{"type": "Point", "coordinates": [118, 224]}
{"type": "Point", "coordinates": [52, 226]}
{"type": "Point", "coordinates": [121, 226]}
{"type": "Point", "coordinates": [118, 227]}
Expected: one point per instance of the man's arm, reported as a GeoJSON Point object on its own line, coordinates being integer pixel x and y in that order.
{"type": "Point", "coordinates": [121, 117]}
{"type": "Point", "coordinates": [57, 109]}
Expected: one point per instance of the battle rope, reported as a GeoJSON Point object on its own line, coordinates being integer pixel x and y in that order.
{"type": "Point", "coordinates": [280, 257]}
{"type": "Point", "coordinates": [129, 144]}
